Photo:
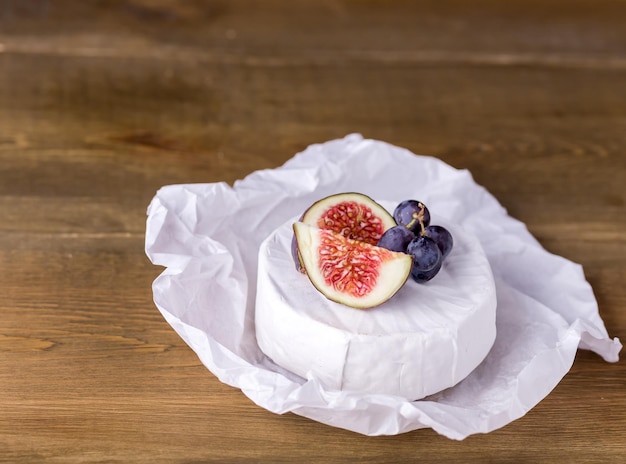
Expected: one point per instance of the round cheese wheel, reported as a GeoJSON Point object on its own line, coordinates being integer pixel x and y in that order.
{"type": "Point", "coordinates": [426, 338]}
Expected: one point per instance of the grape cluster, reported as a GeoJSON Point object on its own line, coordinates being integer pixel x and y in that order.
{"type": "Point", "coordinates": [427, 244]}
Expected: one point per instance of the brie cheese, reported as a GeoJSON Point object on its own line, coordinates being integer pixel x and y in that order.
{"type": "Point", "coordinates": [426, 338]}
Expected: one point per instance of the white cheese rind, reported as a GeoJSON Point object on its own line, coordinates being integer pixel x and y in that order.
{"type": "Point", "coordinates": [426, 338]}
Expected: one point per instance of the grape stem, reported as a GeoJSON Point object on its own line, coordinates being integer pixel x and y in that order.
{"type": "Point", "coordinates": [418, 217]}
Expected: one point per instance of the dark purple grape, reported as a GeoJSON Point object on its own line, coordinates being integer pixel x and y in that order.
{"type": "Point", "coordinates": [410, 213]}
{"type": "Point", "coordinates": [424, 276]}
{"type": "Point", "coordinates": [442, 237]}
{"type": "Point", "coordinates": [396, 239]}
{"type": "Point", "coordinates": [426, 255]}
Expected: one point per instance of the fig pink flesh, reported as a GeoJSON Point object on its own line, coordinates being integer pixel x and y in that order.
{"type": "Point", "coordinates": [350, 266]}
{"type": "Point", "coordinates": [353, 220]}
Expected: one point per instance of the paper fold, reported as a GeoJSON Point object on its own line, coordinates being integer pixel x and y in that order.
{"type": "Point", "coordinates": [207, 236]}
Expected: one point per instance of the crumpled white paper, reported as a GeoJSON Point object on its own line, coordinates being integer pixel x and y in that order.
{"type": "Point", "coordinates": [207, 236]}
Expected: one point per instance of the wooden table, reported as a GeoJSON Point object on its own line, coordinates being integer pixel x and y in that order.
{"type": "Point", "coordinates": [101, 103]}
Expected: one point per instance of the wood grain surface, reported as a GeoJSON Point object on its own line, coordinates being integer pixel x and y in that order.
{"type": "Point", "coordinates": [103, 102]}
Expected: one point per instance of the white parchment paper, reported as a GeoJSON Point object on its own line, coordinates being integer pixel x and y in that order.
{"type": "Point", "coordinates": [207, 237]}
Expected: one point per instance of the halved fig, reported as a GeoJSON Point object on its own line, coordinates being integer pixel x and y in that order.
{"type": "Point", "coordinates": [348, 271]}
{"type": "Point", "coordinates": [351, 214]}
